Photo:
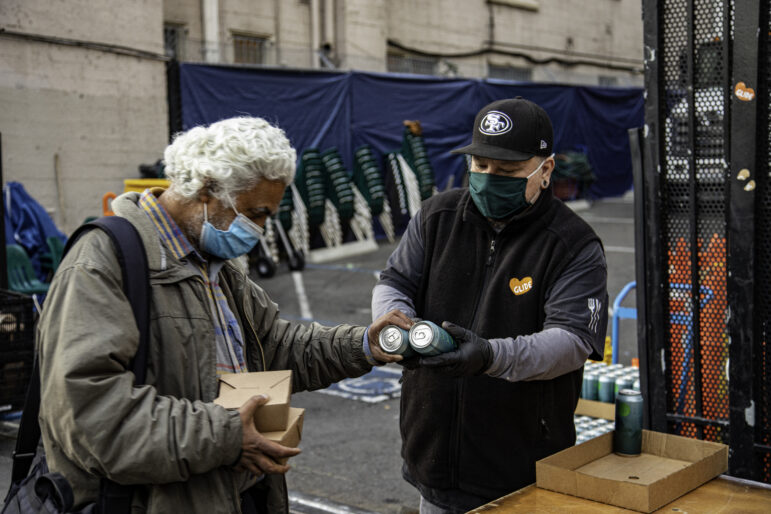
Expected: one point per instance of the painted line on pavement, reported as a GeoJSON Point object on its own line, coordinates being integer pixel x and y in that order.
{"type": "Point", "coordinates": [307, 504]}
{"type": "Point", "coordinates": [302, 298]}
{"type": "Point", "coordinates": [342, 267]}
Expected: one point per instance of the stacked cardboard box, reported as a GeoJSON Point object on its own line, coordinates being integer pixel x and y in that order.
{"type": "Point", "coordinates": [275, 420]}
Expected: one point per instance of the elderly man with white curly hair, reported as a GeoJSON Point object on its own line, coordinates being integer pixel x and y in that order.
{"type": "Point", "coordinates": [183, 453]}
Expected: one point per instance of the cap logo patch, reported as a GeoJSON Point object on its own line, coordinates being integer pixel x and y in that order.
{"type": "Point", "coordinates": [495, 123]}
{"type": "Point", "coordinates": [543, 144]}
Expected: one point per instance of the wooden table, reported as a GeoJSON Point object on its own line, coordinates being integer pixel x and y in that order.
{"type": "Point", "coordinates": [722, 494]}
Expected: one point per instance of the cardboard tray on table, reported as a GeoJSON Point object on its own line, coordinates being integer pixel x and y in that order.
{"type": "Point", "coordinates": [668, 467]}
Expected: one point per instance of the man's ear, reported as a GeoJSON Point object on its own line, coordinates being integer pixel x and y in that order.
{"type": "Point", "coordinates": [204, 194]}
{"type": "Point", "coordinates": [548, 167]}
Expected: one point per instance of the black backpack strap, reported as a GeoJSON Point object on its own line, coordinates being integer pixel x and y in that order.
{"type": "Point", "coordinates": [136, 283]}
{"type": "Point", "coordinates": [29, 429]}
{"type": "Point", "coordinates": [130, 252]}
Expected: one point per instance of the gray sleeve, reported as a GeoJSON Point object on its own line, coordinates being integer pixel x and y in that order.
{"type": "Point", "coordinates": [576, 309]}
{"type": "Point", "coordinates": [399, 281]}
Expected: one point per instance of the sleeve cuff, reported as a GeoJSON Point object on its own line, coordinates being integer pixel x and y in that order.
{"type": "Point", "coordinates": [367, 351]}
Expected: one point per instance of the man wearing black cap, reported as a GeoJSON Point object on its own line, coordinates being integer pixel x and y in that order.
{"type": "Point", "coordinates": [519, 281]}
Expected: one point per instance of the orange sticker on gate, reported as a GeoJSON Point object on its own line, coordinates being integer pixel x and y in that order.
{"type": "Point", "coordinates": [743, 92]}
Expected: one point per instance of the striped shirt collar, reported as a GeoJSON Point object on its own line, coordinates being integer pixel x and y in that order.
{"type": "Point", "coordinates": [169, 231]}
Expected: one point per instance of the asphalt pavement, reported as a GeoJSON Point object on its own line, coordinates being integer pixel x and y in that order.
{"type": "Point", "coordinates": [350, 449]}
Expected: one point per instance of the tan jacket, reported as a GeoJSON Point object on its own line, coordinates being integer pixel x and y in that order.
{"type": "Point", "coordinates": [166, 435]}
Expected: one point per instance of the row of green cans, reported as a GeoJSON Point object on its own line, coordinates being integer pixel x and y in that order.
{"type": "Point", "coordinates": [602, 382]}
{"type": "Point", "coordinates": [589, 428]}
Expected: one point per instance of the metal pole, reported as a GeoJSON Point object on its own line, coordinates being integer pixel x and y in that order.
{"type": "Point", "coordinates": [740, 234]}
{"type": "Point", "coordinates": [693, 215]}
{"type": "Point", "coordinates": [636, 143]}
{"type": "Point", "coordinates": [652, 290]}
{"type": "Point", "coordinates": [3, 258]}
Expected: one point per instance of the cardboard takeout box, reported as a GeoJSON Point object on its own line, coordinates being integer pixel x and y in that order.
{"type": "Point", "coordinates": [668, 467]}
{"type": "Point", "coordinates": [292, 435]}
{"type": "Point", "coordinates": [237, 388]}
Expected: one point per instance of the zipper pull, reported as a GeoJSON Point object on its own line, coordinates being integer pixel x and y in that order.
{"type": "Point", "coordinates": [492, 252]}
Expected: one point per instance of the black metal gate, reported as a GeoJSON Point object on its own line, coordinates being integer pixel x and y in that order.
{"type": "Point", "coordinates": [704, 245]}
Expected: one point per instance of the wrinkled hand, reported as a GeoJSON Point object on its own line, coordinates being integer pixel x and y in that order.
{"type": "Point", "coordinates": [395, 317]}
{"type": "Point", "coordinates": [257, 452]}
{"type": "Point", "coordinates": [474, 355]}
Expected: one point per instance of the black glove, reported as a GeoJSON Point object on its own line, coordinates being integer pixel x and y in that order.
{"type": "Point", "coordinates": [411, 362]}
{"type": "Point", "coordinates": [474, 355]}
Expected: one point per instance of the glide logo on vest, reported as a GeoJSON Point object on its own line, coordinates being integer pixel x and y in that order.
{"type": "Point", "coordinates": [519, 287]}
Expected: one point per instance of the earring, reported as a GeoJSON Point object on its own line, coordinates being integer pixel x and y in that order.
{"type": "Point", "coordinates": [545, 184]}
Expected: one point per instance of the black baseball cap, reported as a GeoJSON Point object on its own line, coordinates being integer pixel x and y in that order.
{"type": "Point", "coordinates": [513, 129]}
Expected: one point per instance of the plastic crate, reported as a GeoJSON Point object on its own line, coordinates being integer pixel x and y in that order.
{"type": "Point", "coordinates": [17, 348]}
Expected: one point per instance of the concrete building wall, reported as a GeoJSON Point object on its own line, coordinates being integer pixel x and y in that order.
{"type": "Point", "coordinates": [187, 15]}
{"type": "Point", "coordinates": [523, 32]}
{"type": "Point", "coordinates": [363, 33]}
{"type": "Point", "coordinates": [91, 115]}
{"type": "Point", "coordinates": [570, 41]}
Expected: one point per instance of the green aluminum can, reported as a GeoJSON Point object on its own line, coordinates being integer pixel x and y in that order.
{"type": "Point", "coordinates": [627, 438]}
{"type": "Point", "coordinates": [428, 338]}
{"type": "Point", "coordinates": [623, 382]}
{"type": "Point", "coordinates": [605, 385]}
{"type": "Point", "coordinates": [589, 386]}
{"type": "Point", "coordinates": [395, 340]}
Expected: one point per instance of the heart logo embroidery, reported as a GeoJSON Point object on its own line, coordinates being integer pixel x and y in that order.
{"type": "Point", "coordinates": [743, 92]}
{"type": "Point", "coordinates": [519, 287]}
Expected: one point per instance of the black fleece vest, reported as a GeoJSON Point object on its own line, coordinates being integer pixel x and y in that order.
{"type": "Point", "coordinates": [481, 434]}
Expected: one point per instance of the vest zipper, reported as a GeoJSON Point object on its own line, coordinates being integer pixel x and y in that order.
{"type": "Point", "coordinates": [454, 479]}
{"type": "Point", "coordinates": [488, 270]}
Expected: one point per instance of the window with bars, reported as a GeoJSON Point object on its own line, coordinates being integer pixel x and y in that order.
{"type": "Point", "coordinates": [607, 81]}
{"type": "Point", "coordinates": [248, 49]}
{"type": "Point", "coordinates": [174, 41]}
{"type": "Point", "coordinates": [402, 63]}
{"type": "Point", "coordinates": [513, 73]}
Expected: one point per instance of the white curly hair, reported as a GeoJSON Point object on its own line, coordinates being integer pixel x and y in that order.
{"type": "Point", "coordinates": [229, 157]}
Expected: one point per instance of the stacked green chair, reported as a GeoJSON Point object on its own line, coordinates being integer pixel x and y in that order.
{"type": "Point", "coordinates": [21, 276]}
{"type": "Point", "coordinates": [285, 209]}
{"type": "Point", "coordinates": [396, 192]}
{"type": "Point", "coordinates": [311, 183]}
{"type": "Point", "coordinates": [338, 183]}
{"type": "Point", "coordinates": [369, 179]}
{"type": "Point", "coordinates": [53, 257]}
{"type": "Point", "coordinates": [414, 152]}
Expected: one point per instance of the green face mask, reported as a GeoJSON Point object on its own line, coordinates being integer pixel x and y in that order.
{"type": "Point", "coordinates": [497, 196]}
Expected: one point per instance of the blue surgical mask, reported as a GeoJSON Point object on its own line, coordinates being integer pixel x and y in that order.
{"type": "Point", "coordinates": [239, 239]}
{"type": "Point", "coordinates": [497, 196]}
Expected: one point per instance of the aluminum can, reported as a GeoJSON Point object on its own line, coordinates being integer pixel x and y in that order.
{"type": "Point", "coordinates": [636, 384]}
{"type": "Point", "coordinates": [627, 437]}
{"type": "Point", "coordinates": [428, 338]}
{"type": "Point", "coordinates": [605, 385]}
{"type": "Point", "coordinates": [395, 340]}
{"type": "Point", "coordinates": [589, 387]}
{"type": "Point", "coordinates": [623, 382]}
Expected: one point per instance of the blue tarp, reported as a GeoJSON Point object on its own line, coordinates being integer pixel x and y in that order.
{"type": "Point", "coordinates": [27, 224]}
{"type": "Point", "coordinates": [345, 110]}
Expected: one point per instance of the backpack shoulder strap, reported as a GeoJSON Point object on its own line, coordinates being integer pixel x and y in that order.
{"type": "Point", "coordinates": [130, 252]}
